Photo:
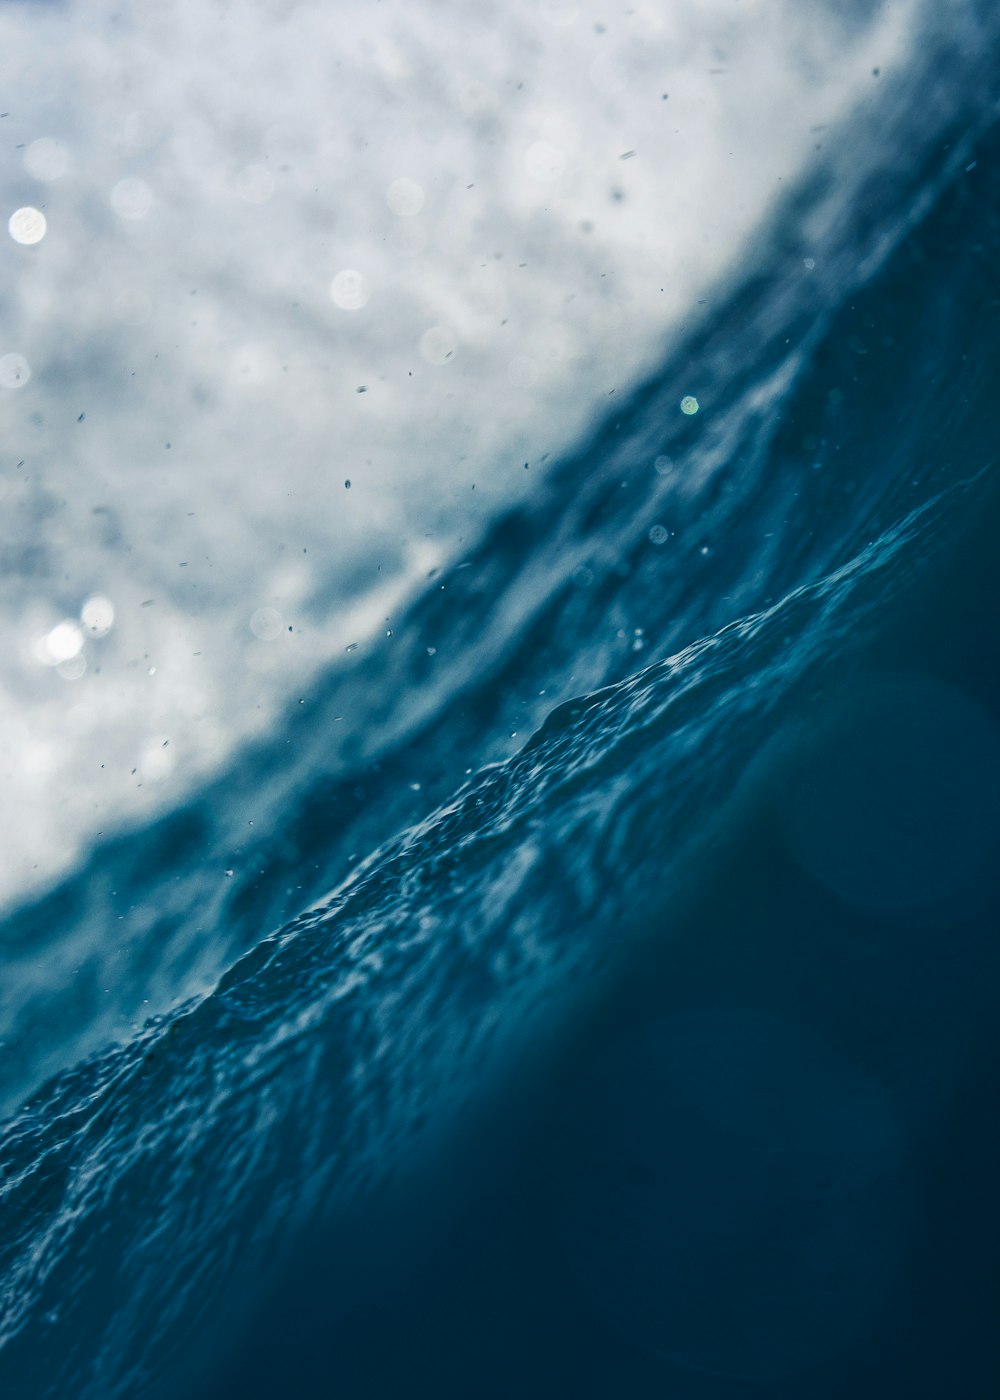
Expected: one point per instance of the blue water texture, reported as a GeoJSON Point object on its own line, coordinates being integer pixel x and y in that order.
{"type": "Point", "coordinates": [591, 989]}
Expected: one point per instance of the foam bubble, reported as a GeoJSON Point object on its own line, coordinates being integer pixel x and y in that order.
{"type": "Point", "coordinates": [131, 199]}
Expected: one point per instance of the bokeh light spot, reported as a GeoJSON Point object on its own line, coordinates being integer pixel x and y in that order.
{"type": "Point", "coordinates": [266, 624]}
{"type": "Point", "coordinates": [14, 371]}
{"type": "Point", "coordinates": [73, 667]}
{"type": "Point", "coordinates": [61, 643]}
{"type": "Point", "coordinates": [98, 615]}
{"type": "Point", "coordinates": [131, 199]}
{"type": "Point", "coordinates": [349, 289]}
{"type": "Point", "coordinates": [27, 226]}
{"type": "Point", "coordinates": [405, 198]}
{"type": "Point", "coordinates": [437, 345]}
{"type": "Point", "coordinates": [46, 159]}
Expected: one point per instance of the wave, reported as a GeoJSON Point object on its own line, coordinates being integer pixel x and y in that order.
{"type": "Point", "coordinates": [627, 827]}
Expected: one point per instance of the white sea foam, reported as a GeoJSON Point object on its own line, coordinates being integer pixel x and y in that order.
{"type": "Point", "coordinates": [408, 245]}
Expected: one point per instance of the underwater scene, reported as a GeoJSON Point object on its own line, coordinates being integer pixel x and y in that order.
{"type": "Point", "coordinates": [501, 700]}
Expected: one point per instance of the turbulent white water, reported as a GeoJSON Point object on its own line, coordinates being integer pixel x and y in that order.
{"type": "Point", "coordinates": [255, 253]}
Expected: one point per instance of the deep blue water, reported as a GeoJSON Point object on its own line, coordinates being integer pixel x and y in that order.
{"type": "Point", "coordinates": [638, 1036]}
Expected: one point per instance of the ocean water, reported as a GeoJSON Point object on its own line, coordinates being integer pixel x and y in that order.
{"type": "Point", "coordinates": [586, 983]}
{"type": "Point", "coordinates": [428, 257]}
